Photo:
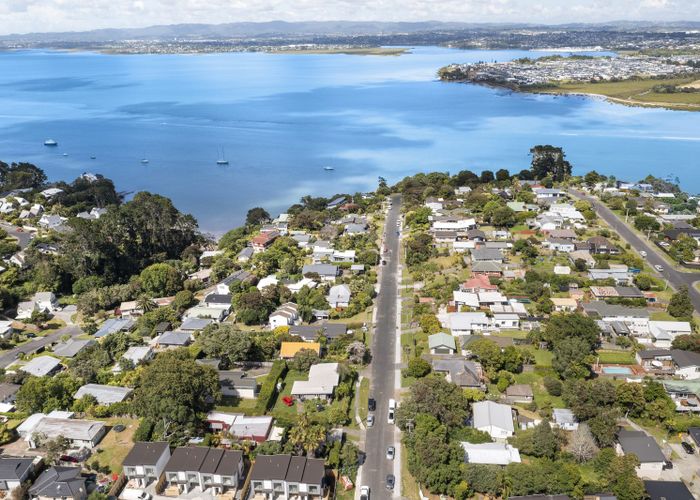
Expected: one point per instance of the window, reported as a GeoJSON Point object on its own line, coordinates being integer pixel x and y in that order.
{"type": "Point", "coordinates": [257, 485]}
{"type": "Point", "coordinates": [150, 471]}
{"type": "Point", "coordinates": [293, 488]}
{"type": "Point", "coordinates": [278, 486]}
{"type": "Point", "coordinates": [314, 488]}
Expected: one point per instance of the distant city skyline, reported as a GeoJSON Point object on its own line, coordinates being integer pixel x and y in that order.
{"type": "Point", "coordinates": [24, 16]}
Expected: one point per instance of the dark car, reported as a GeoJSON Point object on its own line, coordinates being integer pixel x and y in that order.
{"type": "Point", "coordinates": [390, 480]}
{"type": "Point", "coordinates": [688, 448]}
{"type": "Point", "coordinates": [371, 404]}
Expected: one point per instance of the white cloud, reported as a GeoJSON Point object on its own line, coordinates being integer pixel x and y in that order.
{"type": "Point", "coordinates": [21, 16]}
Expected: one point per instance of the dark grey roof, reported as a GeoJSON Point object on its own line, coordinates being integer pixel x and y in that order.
{"type": "Point", "coordinates": [218, 298]}
{"type": "Point", "coordinates": [603, 309]}
{"type": "Point", "coordinates": [487, 267]}
{"type": "Point", "coordinates": [310, 332]}
{"type": "Point", "coordinates": [192, 324]}
{"type": "Point", "coordinates": [462, 372]}
{"type": "Point", "coordinates": [145, 453]}
{"type": "Point", "coordinates": [629, 292]}
{"type": "Point", "coordinates": [285, 467]}
{"type": "Point", "coordinates": [237, 379]}
{"type": "Point", "coordinates": [72, 347]}
{"type": "Point", "coordinates": [240, 275]}
{"type": "Point", "coordinates": [475, 233]}
{"type": "Point", "coordinates": [487, 254]}
{"type": "Point", "coordinates": [202, 459]}
{"type": "Point", "coordinates": [60, 482]}
{"type": "Point", "coordinates": [8, 390]}
{"type": "Point", "coordinates": [246, 252]}
{"type": "Point", "coordinates": [162, 327]}
{"type": "Point", "coordinates": [175, 338]}
{"type": "Point", "coordinates": [694, 433]}
{"type": "Point", "coordinates": [667, 490]}
{"type": "Point", "coordinates": [12, 469]}
{"type": "Point", "coordinates": [640, 444]}
{"type": "Point", "coordinates": [682, 358]}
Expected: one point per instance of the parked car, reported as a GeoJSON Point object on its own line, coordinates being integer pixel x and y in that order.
{"type": "Point", "coordinates": [390, 453]}
{"type": "Point", "coordinates": [390, 418]}
{"type": "Point", "coordinates": [659, 268]}
{"type": "Point", "coordinates": [642, 253]}
{"type": "Point", "coordinates": [688, 448]}
{"type": "Point", "coordinates": [372, 404]}
{"type": "Point", "coordinates": [390, 481]}
{"type": "Point", "coordinates": [370, 420]}
{"type": "Point", "coordinates": [364, 493]}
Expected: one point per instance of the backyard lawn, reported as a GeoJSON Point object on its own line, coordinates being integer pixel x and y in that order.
{"type": "Point", "coordinates": [616, 357]}
{"type": "Point", "coordinates": [280, 410]}
{"type": "Point", "coordinates": [238, 405]}
{"type": "Point", "coordinates": [115, 445]}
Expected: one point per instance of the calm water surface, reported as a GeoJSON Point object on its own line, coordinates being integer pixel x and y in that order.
{"type": "Point", "coordinates": [281, 118]}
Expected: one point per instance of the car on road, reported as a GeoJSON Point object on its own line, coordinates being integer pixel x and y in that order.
{"type": "Point", "coordinates": [659, 268]}
{"type": "Point", "coordinates": [642, 253]}
{"type": "Point", "coordinates": [392, 411]}
{"type": "Point", "coordinates": [391, 452]}
{"type": "Point", "coordinates": [364, 493]}
{"type": "Point", "coordinates": [390, 481]}
{"type": "Point", "coordinates": [390, 418]}
{"type": "Point", "coordinates": [372, 404]}
{"type": "Point", "coordinates": [688, 448]}
{"type": "Point", "coordinates": [370, 420]}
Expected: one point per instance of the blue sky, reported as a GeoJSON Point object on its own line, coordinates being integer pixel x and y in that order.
{"type": "Point", "coordinates": [21, 16]}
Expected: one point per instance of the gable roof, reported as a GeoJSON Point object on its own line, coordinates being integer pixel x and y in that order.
{"type": "Point", "coordinates": [311, 332]}
{"type": "Point", "coordinates": [441, 340]}
{"type": "Point", "coordinates": [72, 347]}
{"type": "Point", "coordinates": [60, 482]}
{"type": "Point", "coordinates": [488, 413]}
{"type": "Point", "coordinates": [287, 468]}
{"type": "Point", "coordinates": [104, 394]}
{"type": "Point", "coordinates": [205, 460]}
{"type": "Point", "coordinates": [41, 366]}
{"type": "Point", "coordinates": [13, 469]}
{"type": "Point", "coordinates": [667, 490]}
{"type": "Point", "coordinates": [143, 453]}
{"type": "Point", "coordinates": [640, 444]}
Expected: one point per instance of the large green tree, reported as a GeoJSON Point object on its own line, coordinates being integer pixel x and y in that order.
{"type": "Point", "coordinates": [549, 161]}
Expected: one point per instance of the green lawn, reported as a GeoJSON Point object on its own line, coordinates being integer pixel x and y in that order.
{"type": "Point", "coordinates": [280, 410]}
{"type": "Point", "coordinates": [363, 398]}
{"type": "Point", "coordinates": [538, 390]}
{"type": "Point", "coordinates": [661, 316]}
{"type": "Point", "coordinates": [513, 334]}
{"type": "Point", "coordinates": [237, 405]}
{"type": "Point", "coordinates": [115, 445]}
{"type": "Point", "coordinates": [616, 357]}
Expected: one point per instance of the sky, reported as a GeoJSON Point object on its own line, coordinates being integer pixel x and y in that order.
{"type": "Point", "coordinates": [23, 16]}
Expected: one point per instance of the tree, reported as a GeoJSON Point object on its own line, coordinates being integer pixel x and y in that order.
{"type": "Point", "coordinates": [646, 223]}
{"type": "Point", "coordinates": [604, 426]}
{"type": "Point", "coordinates": [549, 161]}
{"type": "Point", "coordinates": [553, 386]}
{"type": "Point", "coordinates": [55, 448]}
{"type": "Point", "coordinates": [582, 445]}
{"type": "Point", "coordinates": [174, 391]}
{"type": "Point", "coordinates": [571, 358]}
{"type": "Point", "coordinates": [488, 353]}
{"type": "Point", "coordinates": [643, 281]}
{"type": "Point", "coordinates": [45, 394]}
{"type": "Point", "coordinates": [159, 280]}
{"type": "Point", "coordinates": [417, 368]}
{"type": "Point", "coordinates": [357, 352]}
{"type": "Point", "coordinates": [502, 175]}
{"type": "Point", "coordinates": [419, 249]}
{"type": "Point", "coordinates": [224, 342]}
{"type": "Point", "coordinates": [256, 216]}
{"type": "Point", "coordinates": [540, 441]}
{"type": "Point", "coordinates": [306, 436]}
{"type": "Point", "coordinates": [20, 176]}
{"type": "Point", "coordinates": [303, 360]}
{"type": "Point", "coordinates": [503, 217]}
{"type": "Point", "coordinates": [486, 176]}
{"type": "Point", "coordinates": [433, 395]}
{"type": "Point", "coordinates": [561, 326]}
{"type": "Point", "coordinates": [687, 343]}
{"type": "Point", "coordinates": [429, 323]}
{"type": "Point", "coordinates": [680, 305]}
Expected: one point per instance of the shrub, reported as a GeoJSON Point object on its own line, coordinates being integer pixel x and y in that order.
{"type": "Point", "coordinates": [144, 431]}
{"type": "Point", "coordinates": [553, 386]}
{"type": "Point", "coordinates": [269, 387]}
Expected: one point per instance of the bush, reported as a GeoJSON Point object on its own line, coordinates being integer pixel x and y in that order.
{"type": "Point", "coordinates": [269, 388]}
{"type": "Point", "coordinates": [144, 431]}
{"type": "Point", "coordinates": [417, 368]}
{"type": "Point", "coordinates": [553, 386]}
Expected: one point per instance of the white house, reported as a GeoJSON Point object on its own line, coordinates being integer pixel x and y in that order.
{"type": "Point", "coordinates": [494, 418]}
{"type": "Point", "coordinates": [466, 299]}
{"type": "Point", "coordinates": [322, 381]}
{"type": "Point", "coordinates": [564, 418]}
{"type": "Point", "coordinates": [285, 315]}
{"type": "Point", "coordinates": [564, 304]}
{"type": "Point", "coordinates": [651, 458]}
{"type": "Point", "coordinates": [466, 323]}
{"type": "Point", "coordinates": [339, 296]}
{"type": "Point", "coordinates": [343, 256]}
{"type": "Point", "coordinates": [506, 321]}
{"type": "Point", "coordinates": [490, 453]}
{"type": "Point", "coordinates": [662, 333]}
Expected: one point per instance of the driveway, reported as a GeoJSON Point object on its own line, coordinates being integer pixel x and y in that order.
{"type": "Point", "coordinates": [23, 237]}
{"type": "Point", "coordinates": [685, 468]}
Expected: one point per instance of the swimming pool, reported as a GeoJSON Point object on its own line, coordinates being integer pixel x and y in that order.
{"type": "Point", "coordinates": [617, 370]}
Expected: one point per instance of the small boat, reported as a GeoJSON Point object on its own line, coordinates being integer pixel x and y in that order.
{"type": "Point", "coordinates": [222, 159]}
{"type": "Point", "coordinates": [328, 168]}
{"type": "Point", "coordinates": [144, 161]}
{"type": "Point", "coordinates": [50, 142]}
{"type": "Point", "coordinates": [65, 154]}
{"type": "Point", "coordinates": [93, 157]}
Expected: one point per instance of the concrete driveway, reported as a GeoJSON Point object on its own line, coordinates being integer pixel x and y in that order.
{"type": "Point", "coordinates": [686, 468]}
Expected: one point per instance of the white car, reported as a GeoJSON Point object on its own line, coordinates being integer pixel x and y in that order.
{"type": "Point", "coordinates": [364, 493]}
{"type": "Point", "coordinates": [370, 420]}
{"type": "Point", "coordinates": [659, 268]}
{"type": "Point", "coordinates": [642, 253]}
{"type": "Point", "coordinates": [390, 418]}
{"type": "Point", "coordinates": [390, 453]}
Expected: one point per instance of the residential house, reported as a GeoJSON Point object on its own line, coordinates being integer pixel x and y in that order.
{"type": "Point", "coordinates": [564, 304]}
{"type": "Point", "coordinates": [682, 364]}
{"type": "Point", "coordinates": [145, 462]}
{"type": "Point", "coordinates": [563, 418]}
{"type": "Point", "coordinates": [490, 453]}
{"type": "Point", "coordinates": [496, 419]}
{"type": "Point", "coordinates": [478, 284]}
{"type": "Point", "coordinates": [667, 490]}
{"type": "Point", "coordinates": [619, 273]}
{"type": "Point", "coordinates": [59, 483]}
{"type": "Point", "coordinates": [245, 254]}
{"type": "Point", "coordinates": [303, 240]}
{"type": "Point", "coordinates": [104, 394]}
{"type": "Point", "coordinates": [289, 349]}
{"type": "Point", "coordinates": [51, 221]}
{"type": "Point", "coordinates": [14, 472]}
{"type": "Point", "coordinates": [434, 204]}
{"type": "Point", "coordinates": [248, 428]}
{"type": "Point", "coordinates": [465, 299]}
{"type": "Point", "coordinates": [235, 383]}
{"type": "Point", "coordinates": [217, 314]}
{"type": "Point", "coordinates": [487, 269]}
{"type": "Point", "coordinates": [519, 393]}
{"type": "Point", "coordinates": [684, 393]}
{"type": "Point", "coordinates": [80, 433]}
{"type": "Point", "coordinates": [487, 255]}
{"type": "Point", "coordinates": [451, 223]}
{"type": "Point", "coordinates": [663, 333]}
{"type": "Point", "coordinates": [8, 392]}
{"type": "Point", "coordinates": [354, 229]}
{"type": "Point", "coordinates": [602, 246]}
{"type": "Point", "coordinates": [545, 193]}
{"type": "Point", "coordinates": [651, 458]}
{"type": "Point", "coordinates": [172, 340]}
{"type": "Point", "coordinates": [136, 355]}
{"type": "Point", "coordinates": [285, 315]}
{"type": "Point", "coordinates": [240, 276]}
{"type": "Point", "coordinates": [218, 301]}
{"type": "Point", "coordinates": [321, 384]}
{"type": "Point", "coordinates": [636, 318]}
{"type": "Point", "coordinates": [466, 323]}
{"type": "Point", "coordinates": [463, 373]}
{"type": "Point", "coordinates": [560, 245]}
{"type": "Point", "coordinates": [566, 234]}
{"type": "Point", "coordinates": [505, 321]}
{"type": "Point", "coordinates": [270, 280]}
{"type": "Point", "coordinates": [114, 325]}
{"type": "Point", "coordinates": [311, 333]}
{"type": "Point", "coordinates": [326, 272]}
{"type": "Point", "coordinates": [42, 366]}
{"type": "Point", "coordinates": [583, 255]}
{"type": "Point", "coordinates": [339, 296]}
{"type": "Point", "coordinates": [193, 325]}
{"type": "Point", "coordinates": [198, 467]}
{"type": "Point", "coordinates": [442, 343]}
{"type": "Point", "coordinates": [287, 477]}
{"type": "Point", "coordinates": [260, 242]}
{"type": "Point", "coordinates": [72, 347]}
{"type": "Point", "coordinates": [343, 256]}
{"type": "Point", "coordinates": [491, 298]}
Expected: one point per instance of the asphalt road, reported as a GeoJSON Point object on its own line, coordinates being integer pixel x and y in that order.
{"type": "Point", "coordinates": [382, 385]}
{"type": "Point", "coordinates": [8, 357]}
{"type": "Point", "coordinates": [23, 237]}
{"type": "Point", "coordinates": [674, 277]}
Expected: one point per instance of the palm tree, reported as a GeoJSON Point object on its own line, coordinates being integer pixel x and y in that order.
{"type": "Point", "coordinates": [145, 303]}
{"type": "Point", "coordinates": [306, 436]}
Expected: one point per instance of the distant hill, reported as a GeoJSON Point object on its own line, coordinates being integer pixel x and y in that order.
{"type": "Point", "coordinates": [277, 29]}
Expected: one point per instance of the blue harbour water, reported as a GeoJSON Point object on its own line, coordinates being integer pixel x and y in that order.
{"type": "Point", "coordinates": [280, 118]}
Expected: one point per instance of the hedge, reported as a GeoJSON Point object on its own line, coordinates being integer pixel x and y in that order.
{"type": "Point", "coordinates": [268, 391]}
